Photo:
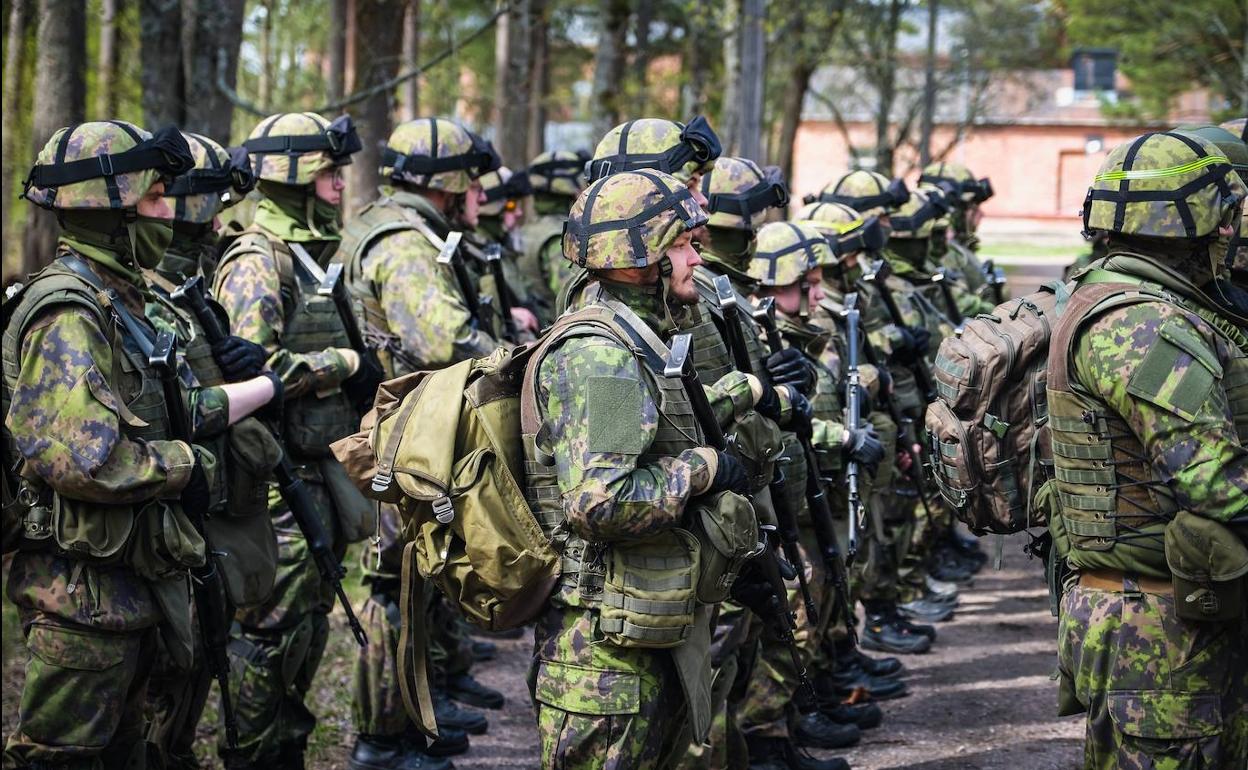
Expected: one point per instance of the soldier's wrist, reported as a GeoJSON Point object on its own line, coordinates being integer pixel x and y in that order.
{"type": "Point", "coordinates": [178, 459]}
{"type": "Point", "coordinates": [703, 463]}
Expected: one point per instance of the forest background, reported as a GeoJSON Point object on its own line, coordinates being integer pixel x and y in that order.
{"type": "Point", "coordinates": [556, 74]}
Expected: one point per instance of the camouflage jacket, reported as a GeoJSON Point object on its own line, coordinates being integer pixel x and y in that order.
{"type": "Point", "coordinates": [249, 286]}
{"type": "Point", "coordinates": [423, 305]}
{"type": "Point", "coordinates": [612, 495]}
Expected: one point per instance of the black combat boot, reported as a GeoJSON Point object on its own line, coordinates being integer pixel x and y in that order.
{"type": "Point", "coordinates": [881, 632]}
{"type": "Point", "coordinates": [483, 650]}
{"type": "Point", "coordinates": [819, 732]}
{"type": "Point", "coordinates": [450, 742]}
{"type": "Point", "coordinates": [926, 611]}
{"type": "Point", "coordinates": [449, 714]}
{"type": "Point", "coordinates": [465, 689]}
{"type": "Point", "coordinates": [866, 716]}
{"type": "Point", "coordinates": [877, 667]}
{"type": "Point", "coordinates": [385, 752]}
{"type": "Point", "coordinates": [919, 629]}
{"type": "Point", "coordinates": [849, 678]}
{"type": "Point", "coordinates": [767, 753]}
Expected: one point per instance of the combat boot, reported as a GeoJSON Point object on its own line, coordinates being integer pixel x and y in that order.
{"type": "Point", "coordinates": [846, 652]}
{"type": "Point", "coordinates": [866, 716]}
{"type": "Point", "coordinates": [448, 714]}
{"type": "Point", "coordinates": [921, 609]}
{"type": "Point", "coordinates": [483, 651]}
{"type": "Point", "coordinates": [919, 629]}
{"type": "Point", "coordinates": [465, 689]}
{"type": "Point", "coordinates": [817, 731]}
{"type": "Point", "coordinates": [450, 742]}
{"type": "Point", "coordinates": [384, 752]}
{"type": "Point", "coordinates": [941, 588]}
{"type": "Point", "coordinates": [969, 547]}
{"type": "Point", "coordinates": [881, 632]}
{"type": "Point", "coordinates": [850, 681]}
{"type": "Point", "coordinates": [768, 753]}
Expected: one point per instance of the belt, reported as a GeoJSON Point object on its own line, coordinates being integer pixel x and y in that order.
{"type": "Point", "coordinates": [1117, 580]}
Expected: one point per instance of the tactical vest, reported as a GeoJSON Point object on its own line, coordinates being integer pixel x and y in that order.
{"type": "Point", "coordinates": [586, 564]}
{"type": "Point", "coordinates": [1113, 505]}
{"type": "Point", "coordinates": [534, 238]}
{"type": "Point", "coordinates": [711, 355]}
{"type": "Point", "coordinates": [310, 422]}
{"type": "Point", "coordinates": [142, 415]}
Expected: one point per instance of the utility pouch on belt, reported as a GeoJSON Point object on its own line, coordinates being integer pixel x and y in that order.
{"type": "Point", "coordinates": [1208, 564]}
{"type": "Point", "coordinates": [650, 592]}
{"type": "Point", "coordinates": [251, 455]}
{"type": "Point", "coordinates": [757, 443]}
{"type": "Point", "coordinates": [727, 532]}
{"type": "Point", "coordinates": [165, 544]}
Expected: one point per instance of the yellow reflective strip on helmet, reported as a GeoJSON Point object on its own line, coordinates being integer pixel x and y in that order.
{"type": "Point", "coordinates": [1158, 173]}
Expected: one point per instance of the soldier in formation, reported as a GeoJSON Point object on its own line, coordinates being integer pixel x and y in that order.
{"type": "Point", "coordinates": [142, 420]}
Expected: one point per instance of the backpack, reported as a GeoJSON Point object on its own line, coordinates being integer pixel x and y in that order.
{"type": "Point", "coordinates": [445, 447]}
{"type": "Point", "coordinates": [988, 427]}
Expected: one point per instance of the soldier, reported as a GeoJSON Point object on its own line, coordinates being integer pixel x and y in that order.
{"type": "Point", "coordinates": [1147, 411]}
{"type": "Point", "coordinates": [965, 193]}
{"type": "Point", "coordinates": [419, 313]}
{"type": "Point", "coordinates": [499, 220]}
{"type": "Point", "coordinates": [609, 669]}
{"type": "Point", "coordinates": [110, 493]}
{"type": "Point", "coordinates": [268, 282]}
{"type": "Point", "coordinates": [237, 526]}
{"type": "Point", "coordinates": [556, 178]}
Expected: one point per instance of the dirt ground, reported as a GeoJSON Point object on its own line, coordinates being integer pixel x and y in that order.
{"type": "Point", "coordinates": [981, 700]}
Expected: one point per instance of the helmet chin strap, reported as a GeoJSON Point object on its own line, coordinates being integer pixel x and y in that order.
{"type": "Point", "coordinates": [803, 306]}
{"type": "Point", "coordinates": [309, 211]}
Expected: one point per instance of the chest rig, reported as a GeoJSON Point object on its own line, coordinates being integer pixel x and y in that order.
{"type": "Point", "coordinates": [711, 356]}
{"type": "Point", "coordinates": [652, 566]}
{"type": "Point", "coordinates": [1113, 505]}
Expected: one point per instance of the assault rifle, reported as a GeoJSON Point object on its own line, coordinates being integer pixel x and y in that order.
{"type": "Point", "coordinates": [853, 418]}
{"type": "Point", "coordinates": [493, 256]}
{"type": "Point", "coordinates": [786, 517]}
{"type": "Point", "coordinates": [329, 284]}
{"type": "Point", "coordinates": [877, 277]}
{"type": "Point", "coordinates": [996, 280]}
{"type": "Point", "coordinates": [680, 364]}
{"type": "Point", "coordinates": [207, 584]}
{"type": "Point", "coordinates": [190, 295]}
{"type": "Point", "coordinates": [941, 280]}
{"type": "Point", "coordinates": [816, 494]}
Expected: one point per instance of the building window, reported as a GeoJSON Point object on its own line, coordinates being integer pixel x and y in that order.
{"type": "Point", "coordinates": [1094, 69]}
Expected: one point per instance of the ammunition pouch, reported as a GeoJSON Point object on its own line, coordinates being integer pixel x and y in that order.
{"type": "Point", "coordinates": [650, 590]}
{"type": "Point", "coordinates": [1209, 569]}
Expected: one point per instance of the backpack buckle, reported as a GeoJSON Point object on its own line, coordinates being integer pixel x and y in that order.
{"type": "Point", "coordinates": [443, 510]}
{"type": "Point", "coordinates": [382, 480]}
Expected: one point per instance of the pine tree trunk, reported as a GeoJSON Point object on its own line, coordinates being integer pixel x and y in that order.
{"type": "Point", "coordinates": [13, 157]}
{"type": "Point", "coordinates": [265, 89]}
{"type": "Point", "coordinates": [160, 66]}
{"type": "Point", "coordinates": [106, 63]}
{"type": "Point", "coordinates": [539, 56]}
{"type": "Point", "coordinates": [753, 70]}
{"type": "Point", "coordinates": [800, 72]}
{"type": "Point", "coordinates": [609, 64]}
{"type": "Point", "coordinates": [338, 48]}
{"type": "Point", "coordinates": [59, 100]}
{"type": "Point", "coordinates": [214, 32]}
{"type": "Point", "coordinates": [376, 47]}
{"type": "Point", "coordinates": [409, 92]}
{"type": "Point", "coordinates": [514, 84]}
{"type": "Point", "coordinates": [730, 115]}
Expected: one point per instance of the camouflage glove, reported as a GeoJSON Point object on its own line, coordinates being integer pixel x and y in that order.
{"type": "Point", "coordinates": [790, 367]}
{"type": "Point", "coordinates": [863, 447]}
{"type": "Point", "coordinates": [730, 476]}
{"type": "Point", "coordinates": [238, 358]}
{"type": "Point", "coordinates": [915, 341]}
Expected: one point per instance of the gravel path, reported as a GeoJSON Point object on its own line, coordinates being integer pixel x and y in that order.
{"type": "Point", "coordinates": [982, 699]}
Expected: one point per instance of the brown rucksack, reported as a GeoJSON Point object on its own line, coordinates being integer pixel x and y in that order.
{"type": "Point", "coordinates": [988, 427]}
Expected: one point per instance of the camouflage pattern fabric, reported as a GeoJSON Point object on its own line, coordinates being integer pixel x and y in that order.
{"type": "Point", "coordinates": [87, 139]}
{"type": "Point", "coordinates": [424, 307]}
{"type": "Point", "coordinates": [617, 199]}
{"type": "Point", "coordinates": [175, 704]}
{"type": "Point", "coordinates": [649, 136]}
{"type": "Point", "coordinates": [541, 260]}
{"type": "Point", "coordinates": [1159, 692]}
{"type": "Point", "coordinates": [275, 167]}
{"type": "Point", "coordinates": [378, 702]}
{"type": "Point", "coordinates": [416, 137]}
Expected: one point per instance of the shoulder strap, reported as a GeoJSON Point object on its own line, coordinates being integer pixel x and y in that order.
{"type": "Point", "coordinates": [1087, 302]}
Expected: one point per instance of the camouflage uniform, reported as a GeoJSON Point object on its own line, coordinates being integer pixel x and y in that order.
{"type": "Point", "coordinates": [273, 303]}
{"type": "Point", "coordinates": [418, 314]}
{"type": "Point", "coordinates": [556, 178]}
{"type": "Point", "coordinates": [1148, 414]}
{"type": "Point", "coordinates": [85, 416]}
{"type": "Point", "coordinates": [956, 250]}
{"type": "Point", "coordinates": [615, 489]}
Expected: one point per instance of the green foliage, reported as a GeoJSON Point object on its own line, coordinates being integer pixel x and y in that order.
{"type": "Point", "coordinates": [1167, 48]}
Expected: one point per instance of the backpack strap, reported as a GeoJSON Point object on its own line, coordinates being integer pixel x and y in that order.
{"type": "Point", "coordinates": [1090, 299]}
{"type": "Point", "coordinates": [413, 645]}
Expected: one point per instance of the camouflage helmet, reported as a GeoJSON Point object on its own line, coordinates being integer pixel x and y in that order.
{"type": "Point", "coordinates": [653, 143]}
{"type": "Point", "coordinates": [1234, 148]}
{"type": "Point", "coordinates": [438, 154]}
{"type": "Point", "coordinates": [786, 251]}
{"type": "Point", "coordinates": [558, 173]}
{"type": "Point", "coordinates": [107, 164]}
{"type": "Point", "coordinates": [629, 220]}
{"type": "Point", "coordinates": [737, 190]}
{"type": "Point", "coordinates": [847, 231]}
{"type": "Point", "coordinates": [503, 189]}
{"type": "Point", "coordinates": [1164, 185]}
{"type": "Point", "coordinates": [866, 192]}
{"type": "Point", "coordinates": [219, 179]}
{"type": "Point", "coordinates": [957, 182]}
{"type": "Point", "coordinates": [916, 219]}
{"type": "Point", "coordinates": [293, 147]}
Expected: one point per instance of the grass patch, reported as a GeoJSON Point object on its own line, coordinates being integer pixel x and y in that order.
{"type": "Point", "coordinates": [1024, 250]}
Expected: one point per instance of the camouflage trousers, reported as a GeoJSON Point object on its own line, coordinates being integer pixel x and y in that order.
{"type": "Point", "coordinates": [599, 706]}
{"type": "Point", "coordinates": [379, 706]}
{"type": "Point", "coordinates": [175, 702]}
{"type": "Point", "coordinates": [276, 650]}
{"type": "Point", "coordinates": [768, 699]}
{"type": "Point", "coordinates": [1160, 692]}
{"type": "Point", "coordinates": [874, 573]}
{"type": "Point", "coordinates": [82, 702]}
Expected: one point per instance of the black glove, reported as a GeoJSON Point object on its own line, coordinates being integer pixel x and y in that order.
{"type": "Point", "coordinates": [886, 380]}
{"type": "Point", "coordinates": [864, 399]}
{"type": "Point", "coordinates": [239, 359]}
{"type": "Point", "coordinates": [195, 494]}
{"type": "Point", "coordinates": [863, 447]}
{"type": "Point", "coordinates": [752, 591]}
{"type": "Point", "coordinates": [272, 411]}
{"type": "Point", "coordinates": [769, 405]}
{"type": "Point", "coordinates": [802, 414]}
{"type": "Point", "coordinates": [361, 387]}
{"type": "Point", "coordinates": [729, 476]}
{"type": "Point", "coordinates": [914, 343]}
{"type": "Point", "coordinates": [790, 367]}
